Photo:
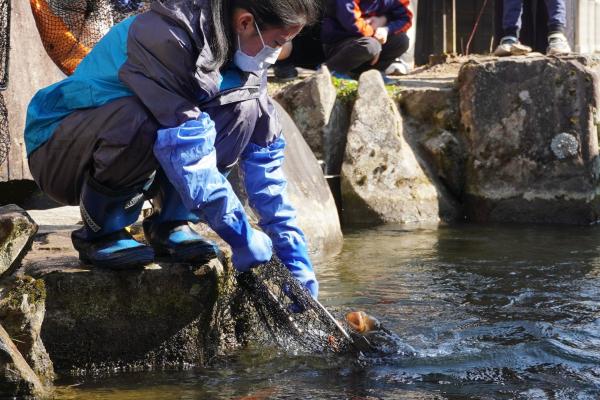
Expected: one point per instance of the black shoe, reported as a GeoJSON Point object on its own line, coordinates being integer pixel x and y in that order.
{"type": "Point", "coordinates": [176, 242]}
{"type": "Point", "coordinates": [285, 72]}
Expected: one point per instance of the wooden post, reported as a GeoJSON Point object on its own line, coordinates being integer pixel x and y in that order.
{"type": "Point", "coordinates": [454, 27]}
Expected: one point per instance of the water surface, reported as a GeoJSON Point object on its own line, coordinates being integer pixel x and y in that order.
{"type": "Point", "coordinates": [492, 312]}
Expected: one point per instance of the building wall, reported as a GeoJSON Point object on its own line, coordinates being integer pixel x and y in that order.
{"type": "Point", "coordinates": [584, 17]}
{"type": "Point", "coordinates": [435, 32]}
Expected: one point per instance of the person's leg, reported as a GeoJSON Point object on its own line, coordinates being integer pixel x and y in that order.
{"type": "Point", "coordinates": [395, 46]}
{"type": "Point", "coordinates": [101, 159]}
{"type": "Point", "coordinates": [557, 22]}
{"type": "Point", "coordinates": [557, 16]}
{"type": "Point", "coordinates": [352, 54]}
{"type": "Point", "coordinates": [112, 143]}
{"type": "Point", "coordinates": [511, 22]}
{"type": "Point", "coordinates": [511, 26]}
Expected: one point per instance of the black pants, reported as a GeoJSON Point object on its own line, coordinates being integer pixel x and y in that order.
{"type": "Point", "coordinates": [356, 54]}
{"type": "Point", "coordinates": [113, 143]}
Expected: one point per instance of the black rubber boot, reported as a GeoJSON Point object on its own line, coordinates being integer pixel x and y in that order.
{"type": "Point", "coordinates": [168, 230]}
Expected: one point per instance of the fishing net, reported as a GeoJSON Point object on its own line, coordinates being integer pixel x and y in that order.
{"type": "Point", "coordinates": [4, 136]}
{"type": "Point", "coordinates": [69, 29]}
{"type": "Point", "coordinates": [4, 42]}
{"type": "Point", "coordinates": [4, 58]}
{"type": "Point", "coordinates": [285, 315]}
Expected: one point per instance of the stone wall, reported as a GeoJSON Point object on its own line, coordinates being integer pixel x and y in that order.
{"type": "Point", "coordinates": [492, 140]}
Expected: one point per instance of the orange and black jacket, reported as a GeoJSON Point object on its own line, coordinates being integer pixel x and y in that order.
{"type": "Point", "coordinates": [347, 18]}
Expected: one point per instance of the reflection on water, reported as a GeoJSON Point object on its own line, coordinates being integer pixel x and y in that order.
{"type": "Point", "coordinates": [492, 312]}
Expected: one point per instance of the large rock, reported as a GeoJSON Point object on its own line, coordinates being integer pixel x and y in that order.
{"type": "Point", "coordinates": [435, 104]}
{"type": "Point", "coordinates": [162, 316]}
{"type": "Point", "coordinates": [382, 180]}
{"type": "Point", "coordinates": [319, 115]}
{"type": "Point", "coordinates": [446, 155]}
{"type": "Point", "coordinates": [16, 234]}
{"type": "Point", "coordinates": [308, 192]}
{"type": "Point", "coordinates": [531, 126]}
{"type": "Point", "coordinates": [22, 311]}
{"type": "Point", "coordinates": [17, 379]}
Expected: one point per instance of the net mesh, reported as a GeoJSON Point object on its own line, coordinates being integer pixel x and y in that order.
{"type": "Point", "coordinates": [69, 29]}
{"type": "Point", "coordinates": [285, 315]}
{"type": "Point", "coordinates": [4, 42]}
{"type": "Point", "coordinates": [4, 58]}
{"type": "Point", "coordinates": [4, 136]}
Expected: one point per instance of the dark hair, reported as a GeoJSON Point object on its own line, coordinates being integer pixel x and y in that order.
{"type": "Point", "coordinates": [267, 13]}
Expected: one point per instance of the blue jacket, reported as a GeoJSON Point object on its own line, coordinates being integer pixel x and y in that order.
{"type": "Point", "coordinates": [347, 18]}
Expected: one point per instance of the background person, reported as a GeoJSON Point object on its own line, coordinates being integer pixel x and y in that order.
{"type": "Point", "coordinates": [306, 51]}
{"type": "Point", "coordinates": [512, 22]}
{"type": "Point", "coordinates": [360, 35]}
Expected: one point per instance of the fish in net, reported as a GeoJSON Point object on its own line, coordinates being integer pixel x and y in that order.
{"type": "Point", "coordinates": [286, 315]}
{"type": "Point", "coordinates": [69, 29]}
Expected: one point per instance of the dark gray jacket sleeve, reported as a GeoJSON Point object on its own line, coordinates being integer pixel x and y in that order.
{"type": "Point", "coordinates": [160, 69]}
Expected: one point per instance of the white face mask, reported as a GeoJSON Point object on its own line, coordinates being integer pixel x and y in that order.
{"type": "Point", "coordinates": [260, 62]}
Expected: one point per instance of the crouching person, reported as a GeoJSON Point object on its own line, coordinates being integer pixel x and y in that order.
{"type": "Point", "coordinates": [166, 103]}
{"type": "Point", "coordinates": [361, 35]}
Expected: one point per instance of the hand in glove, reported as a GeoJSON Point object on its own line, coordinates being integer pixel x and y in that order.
{"type": "Point", "coordinates": [258, 251]}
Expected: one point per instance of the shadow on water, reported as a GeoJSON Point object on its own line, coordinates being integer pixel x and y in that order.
{"type": "Point", "coordinates": [492, 312]}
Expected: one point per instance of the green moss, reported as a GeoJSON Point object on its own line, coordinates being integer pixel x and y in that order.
{"type": "Point", "coordinates": [394, 91]}
{"type": "Point", "coordinates": [346, 90]}
{"type": "Point", "coordinates": [34, 289]}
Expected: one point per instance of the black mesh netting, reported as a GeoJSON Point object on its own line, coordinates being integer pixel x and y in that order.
{"type": "Point", "coordinates": [70, 28]}
{"type": "Point", "coordinates": [4, 54]}
{"type": "Point", "coordinates": [4, 136]}
{"type": "Point", "coordinates": [285, 315]}
{"type": "Point", "coordinates": [4, 42]}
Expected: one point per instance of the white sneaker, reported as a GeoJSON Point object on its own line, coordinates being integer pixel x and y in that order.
{"type": "Point", "coordinates": [510, 46]}
{"type": "Point", "coordinates": [398, 67]}
{"type": "Point", "coordinates": [558, 45]}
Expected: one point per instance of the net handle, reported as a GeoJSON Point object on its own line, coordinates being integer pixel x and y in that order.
{"type": "Point", "coordinates": [359, 342]}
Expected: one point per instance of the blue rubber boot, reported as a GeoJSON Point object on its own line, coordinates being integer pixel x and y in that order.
{"type": "Point", "coordinates": [168, 230]}
{"type": "Point", "coordinates": [103, 240]}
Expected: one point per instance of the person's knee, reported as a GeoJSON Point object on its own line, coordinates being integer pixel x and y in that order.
{"type": "Point", "coordinates": [398, 44]}
{"type": "Point", "coordinates": [125, 155]}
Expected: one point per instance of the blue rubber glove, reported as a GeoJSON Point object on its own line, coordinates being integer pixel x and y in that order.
{"type": "Point", "coordinates": [266, 188]}
{"type": "Point", "coordinates": [258, 251]}
{"type": "Point", "coordinates": [188, 157]}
